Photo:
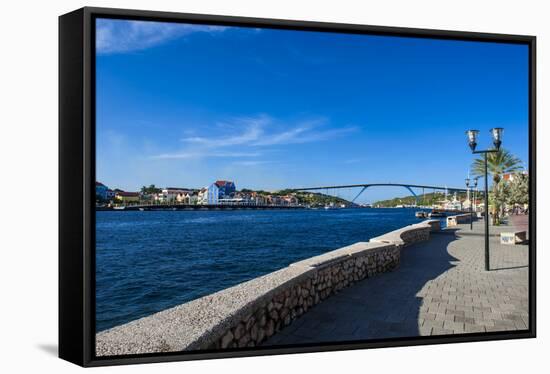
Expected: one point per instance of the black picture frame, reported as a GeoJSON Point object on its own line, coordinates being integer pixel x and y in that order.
{"type": "Point", "coordinates": [77, 178]}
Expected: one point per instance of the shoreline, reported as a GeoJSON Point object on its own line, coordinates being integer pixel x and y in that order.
{"type": "Point", "coordinates": [156, 208]}
{"type": "Point", "coordinates": [219, 207]}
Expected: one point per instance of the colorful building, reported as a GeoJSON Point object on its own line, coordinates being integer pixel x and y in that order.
{"type": "Point", "coordinates": [226, 189]}
{"type": "Point", "coordinates": [209, 195]}
{"type": "Point", "coordinates": [127, 197]}
{"type": "Point", "coordinates": [171, 194]}
{"type": "Point", "coordinates": [101, 190]}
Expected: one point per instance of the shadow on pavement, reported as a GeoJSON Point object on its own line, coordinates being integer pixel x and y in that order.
{"type": "Point", "coordinates": [384, 306]}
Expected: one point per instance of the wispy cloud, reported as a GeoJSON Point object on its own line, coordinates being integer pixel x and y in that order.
{"type": "Point", "coordinates": [251, 162]}
{"type": "Point", "coordinates": [302, 135]}
{"type": "Point", "coordinates": [245, 137]}
{"type": "Point", "coordinates": [121, 36]}
{"type": "Point", "coordinates": [205, 154]}
{"type": "Point", "coordinates": [253, 130]}
{"type": "Point", "coordinates": [257, 133]}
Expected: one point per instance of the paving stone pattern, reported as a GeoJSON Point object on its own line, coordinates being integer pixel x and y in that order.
{"type": "Point", "coordinates": [440, 288]}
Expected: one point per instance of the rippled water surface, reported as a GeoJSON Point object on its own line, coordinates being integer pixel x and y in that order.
{"type": "Point", "coordinates": [150, 261]}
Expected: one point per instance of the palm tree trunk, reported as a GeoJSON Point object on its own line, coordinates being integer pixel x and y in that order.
{"type": "Point", "coordinates": [496, 203]}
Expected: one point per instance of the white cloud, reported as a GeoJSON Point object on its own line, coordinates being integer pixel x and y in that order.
{"type": "Point", "coordinates": [251, 162]}
{"type": "Point", "coordinates": [300, 135]}
{"type": "Point", "coordinates": [252, 132]}
{"type": "Point", "coordinates": [255, 133]}
{"type": "Point", "coordinates": [245, 136]}
{"type": "Point", "coordinates": [120, 36]}
{"type": "Point", "coordinates": [205, 154]}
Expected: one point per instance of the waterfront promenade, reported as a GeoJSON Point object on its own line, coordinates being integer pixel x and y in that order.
{"type": "Point", "coordinates": [440, 288]}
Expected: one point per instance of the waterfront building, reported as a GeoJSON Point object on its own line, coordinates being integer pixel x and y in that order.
{"type": "Point", "coordinates": [192, 198]}
{"type": "Point", "coordinates": [509, 177]}
{"type": "Point", "coordinates": [289, 200]}
{"type": "Point", "coordinates": [252, 197]}
{"type": "Point", "coordinates": [473, 203]}
{"type": "Point", "coordinates": [226, 189]}
{"type": "Point", "coordinates": [101, 190]}
{"type": "Point", "coordinates": [127, 197]}
{"type": "Point", "coordinates": [189, 198]}
{"type": "Point", "coordinates": [157, 197]}
{"type": "Point", "coordinates": [234, 201]}
{"type": "Point", "coordinates": [171, 194]}
{"type": "Point", "coordinates": [258, 198]}
{"type": "Point", "coordinates": [182, 197]}
{"type": "Point", "coordinates": [209, 195]}
{"type": "Point", "coordinates": [273, 200]}
{"type": "Point", "coordinates": [453, 204]}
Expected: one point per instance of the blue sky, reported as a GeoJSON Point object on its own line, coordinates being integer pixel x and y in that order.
{"type": "Point", "coordinates": [184, 105]}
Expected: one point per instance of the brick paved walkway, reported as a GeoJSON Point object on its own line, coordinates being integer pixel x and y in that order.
{"type": "Point", "coordinates": [440, 288]}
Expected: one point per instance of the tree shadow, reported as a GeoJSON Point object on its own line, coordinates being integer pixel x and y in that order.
{"type": "Point", "coordinates": [384, 306]}
{"type": "Point", "coordinates": [393, 301]}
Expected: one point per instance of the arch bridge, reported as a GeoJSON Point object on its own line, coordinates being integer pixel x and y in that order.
{"type": "Point", "coordinates": [367, 185]}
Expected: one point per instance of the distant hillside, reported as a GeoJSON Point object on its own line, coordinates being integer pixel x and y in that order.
{"type": "Point", "coordinates": [425, 199]}
{"type": "Point", "coordinates": [314, 198]}
{"type": "Point", "coordinates": [319, 199]}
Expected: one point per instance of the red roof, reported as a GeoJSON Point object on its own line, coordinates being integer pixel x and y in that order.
{"type": "Point", "coordinates": [128, 194]}
{"type": "Point", "coordinates": [178, 188]}
{"type": "Point", "coordinates": [222, 183]}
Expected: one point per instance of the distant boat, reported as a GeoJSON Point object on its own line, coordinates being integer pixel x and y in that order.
{"type": "Point", "coordinates": [119, 207]}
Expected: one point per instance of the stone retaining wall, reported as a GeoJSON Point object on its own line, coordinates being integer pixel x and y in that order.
{"type": "Point", "coordinates": [458, 219]}
{"type": "Point", "coordinates": [409, 234]}
{"type": "Point", "coordinates": [247, 314]}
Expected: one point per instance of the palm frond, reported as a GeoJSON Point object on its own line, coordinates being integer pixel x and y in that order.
{"type": "Point", "coordinates": [498, 163]}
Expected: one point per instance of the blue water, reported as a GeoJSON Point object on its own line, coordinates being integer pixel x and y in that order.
{"type": "Point", "coordinates": [150, 261]}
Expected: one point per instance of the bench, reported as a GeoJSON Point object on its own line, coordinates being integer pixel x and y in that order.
{"type": "Point", "coordinates": [512, 238]}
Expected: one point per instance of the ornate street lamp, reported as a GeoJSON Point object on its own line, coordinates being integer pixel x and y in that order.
{"type": "Point", "coordinates": [472, 138]}
{"type": "Point", "coordinates": [497, 136]}
{"type": "Point", "coordinates": [496, 133]}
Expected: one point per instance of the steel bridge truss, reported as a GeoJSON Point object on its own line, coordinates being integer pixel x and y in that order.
{"type": "Point", "coordinates": [367, 185]}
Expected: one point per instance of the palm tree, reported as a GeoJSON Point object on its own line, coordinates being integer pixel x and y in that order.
{"type": "Point", "coordinates": [498, 163]}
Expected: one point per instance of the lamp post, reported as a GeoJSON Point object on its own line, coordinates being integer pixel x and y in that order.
{"type": "Point", "coordinates": [474, 194]}
{"type": "Point", "coordinates": [471, 188]}
{"type": "Point", "coordinates": [469, 193]}
{"type": "Point", "coordinates": [496, 133]}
